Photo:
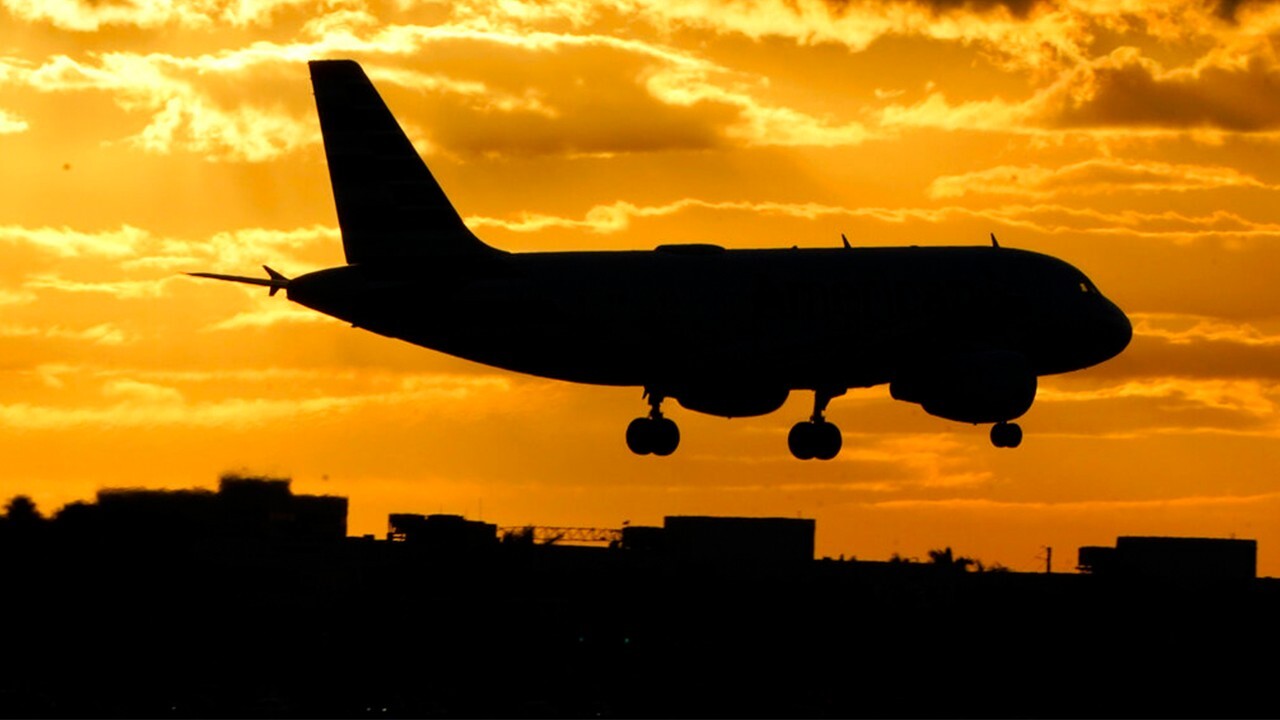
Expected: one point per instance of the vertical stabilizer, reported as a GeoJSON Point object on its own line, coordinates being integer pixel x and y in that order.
{"type": "Point", "coordinates": [390, 208]}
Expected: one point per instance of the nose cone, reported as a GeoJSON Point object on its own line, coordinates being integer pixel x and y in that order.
{"type": "Point", "coordinates": [1117, 331]}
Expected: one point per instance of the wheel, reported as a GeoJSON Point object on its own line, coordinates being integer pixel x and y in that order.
{"type": "Point", "coordinates": [1014, 438]}
{"type": "Point", "coordinates": [801, 440]}
{"type": "Point", "coordinates": [664, 436]}
{"type": "Point", "coordinates": [1006, 435]}
{"type": "Point", "coordinates": [640, 436]}
{"type": "Point", "coordinates": [828, 440]}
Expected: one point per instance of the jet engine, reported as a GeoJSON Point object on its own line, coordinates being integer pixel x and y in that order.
{"type": "Point", "coordinates": [733, 401]}
{"type": "Point", "coordinates": [990, 387]}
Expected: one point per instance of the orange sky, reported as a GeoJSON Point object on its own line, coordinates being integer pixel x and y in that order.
{"type": "Point", "coordinates": [1137, 140]}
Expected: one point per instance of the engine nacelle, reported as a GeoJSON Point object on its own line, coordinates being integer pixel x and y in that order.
{"type": "Point", "coordinates": [732, 402]}
{"type": "Point", "coordinates": [986, 387]}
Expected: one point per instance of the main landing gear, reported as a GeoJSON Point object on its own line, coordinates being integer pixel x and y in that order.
{"type": "Point", "coordinates": [654, 434]}
{"type": "Point", "coordinates": [815, 437]}
{"type": "Point", "coordinates": [1006, 435]}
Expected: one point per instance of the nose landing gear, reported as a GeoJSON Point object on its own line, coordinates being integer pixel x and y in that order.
{"type": "Point", "coordinates": [816, 438]}
{"type": "Point", "coordinates": [654, 434]}
{"type": "Point", "coordinates": [1006, 435]}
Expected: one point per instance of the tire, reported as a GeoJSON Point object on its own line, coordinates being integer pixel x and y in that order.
{"type": "Point", "coordinates": [828, 440]}
{"type": "Point", "coordinates": [801, 441]}
{"type": "Point", "coordinates": [664, 436]}
{"type": "Point", "coordinates": [1006, 435]}
{"type": "Point", "coordinates": [640, 436]}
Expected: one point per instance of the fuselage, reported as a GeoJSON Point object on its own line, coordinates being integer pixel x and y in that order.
{"type": "Point", "coordinates": [685, 316]}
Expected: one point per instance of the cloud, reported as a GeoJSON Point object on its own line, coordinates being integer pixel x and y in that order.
{"type": "Point", "coordinates": [120, 289]}
{"type": "Point", "coordinates": [1251, 397]}
{"type": "Point", "coordinates": [269, 317]}
{"type": "Point", "coordinates": [142, 391]}
{"type": "Point", "coordinates": [104, 334]}
{"type": "Point", "coordinates": [1181, 329]}
{"type": "Point", "coordinates": [189, 123]}
{"type": "Point", "coordinates": [758, 124]}
{"type": "Point", "coordinates": [68, 243]}
{"type": "Point", "coordinates": [1049, 219]}
{"type": "Point", "coordinates": [1187, 356]}
{"type": "Point", "coordinates": [139, 403]}
{"type": "Point", "coordinates": [365, 378]}
{"type": "Point", "coordinates": [481, 95]}
{"type": "Point", "coordinates": [10, 123]}
{"type": "Point", "coordinates": [251, 104]}
{"type": "Point", "coordinates": [16, 297]}
{"type": "Point", "coordinates": [933, 461]}
{"type": "Point", "coordinates": [138, 249]}
{"type": "Point", "coordinates": [94, 15]}
{"type": "Point", "coordinates": [1013, 33]}
{"type": "Point", "coordinates": [1077, 506]}
{"type": "Point", "coordinates": [1125, 89]}
{"type": "Point", "coordinates": [1123, 93]}
{"type": "Point", "coordinates": [180, 96]}
{"type": "Point", "coordinates": [616, 217]}
{"type": "Point", "coordinates": [997, 115]}
{"type": "Point", "coordinates": [235, 250]}
{"type": "Point", "coordinates": [626, 96]}
{"type": "Point", "coordinates": [1024, 33]}
{"type": "Point", "coordinates": [1100, 175]}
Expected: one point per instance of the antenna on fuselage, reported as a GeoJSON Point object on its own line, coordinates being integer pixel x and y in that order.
{"type": "Point", "coordinates": [847, 246]}
{"type": "Point", "coordinates": [994, 243]}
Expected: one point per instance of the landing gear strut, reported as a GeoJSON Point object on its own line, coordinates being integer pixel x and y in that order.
{"type": "Point", "coordinates": [654, 434]}
{"type": "Point", "coordinates": [1006, 435]}
{"type": "Point", "coordinates": [815, 437]}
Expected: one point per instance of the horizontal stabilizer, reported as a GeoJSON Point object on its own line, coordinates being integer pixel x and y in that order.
{"type": "Point", "coordinates": [275, 280]}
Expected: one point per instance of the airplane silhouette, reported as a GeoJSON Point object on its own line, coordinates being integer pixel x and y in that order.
{"type": "Point", "coordinates": [962, 331]}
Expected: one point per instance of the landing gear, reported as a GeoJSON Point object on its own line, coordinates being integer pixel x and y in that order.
{"type": "Point", "coordinates": [654, 434]}
{"type": "Point", "coordinates": [816, 438]}
{"type": "Point", "coordinates": [809, 440]}
{"type": "Point", "coordinates": [1006, 435]}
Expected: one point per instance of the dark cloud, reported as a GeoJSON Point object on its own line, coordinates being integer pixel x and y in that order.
{"type": "Point", "coordinates": [1017, 8]}
{"type": "Point", "coordinates": [1229, 9]}
{"type": "Point", "coordinates": [1128, 91]}
{"type": "Point", "coordinates": [1226, 9]}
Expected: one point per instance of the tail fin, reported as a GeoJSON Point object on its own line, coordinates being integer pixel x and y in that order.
{"type": "Point", "coordinates": [390, 208]}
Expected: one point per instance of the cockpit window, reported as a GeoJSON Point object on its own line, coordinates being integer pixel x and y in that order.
{"type": "Point", "coordinates": [1084, 287]}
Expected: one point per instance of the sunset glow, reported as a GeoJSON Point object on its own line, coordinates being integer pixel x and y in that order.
{"type": "Point", "coordinates": [1139, 141]}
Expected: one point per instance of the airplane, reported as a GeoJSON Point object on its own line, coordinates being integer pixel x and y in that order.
{"type": "Point", "coordinates": [965, 332]}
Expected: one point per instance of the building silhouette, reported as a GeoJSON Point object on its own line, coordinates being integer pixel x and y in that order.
{"type": "Point", "coordinates": [446, 533]}
{"type": "Point", "coordinates": [691, 539]}
{"type": "Point", "coordinates": [243, 508]}
{"type": "Point", "coordinates": [1174, 558]}
{"type": "Point", "coordinates": [251, 601]}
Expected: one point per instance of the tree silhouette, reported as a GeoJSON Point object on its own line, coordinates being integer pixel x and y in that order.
{"type": "Point", "coordinates": [22, 520]}
{"type": "Point", "coordinates": [22, 509]}
{"type": "Point", "coordinates": [945, 560]}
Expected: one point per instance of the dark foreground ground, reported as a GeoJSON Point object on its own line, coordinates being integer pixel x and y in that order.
{"type": "Point", "coordinates": [111, 627]}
